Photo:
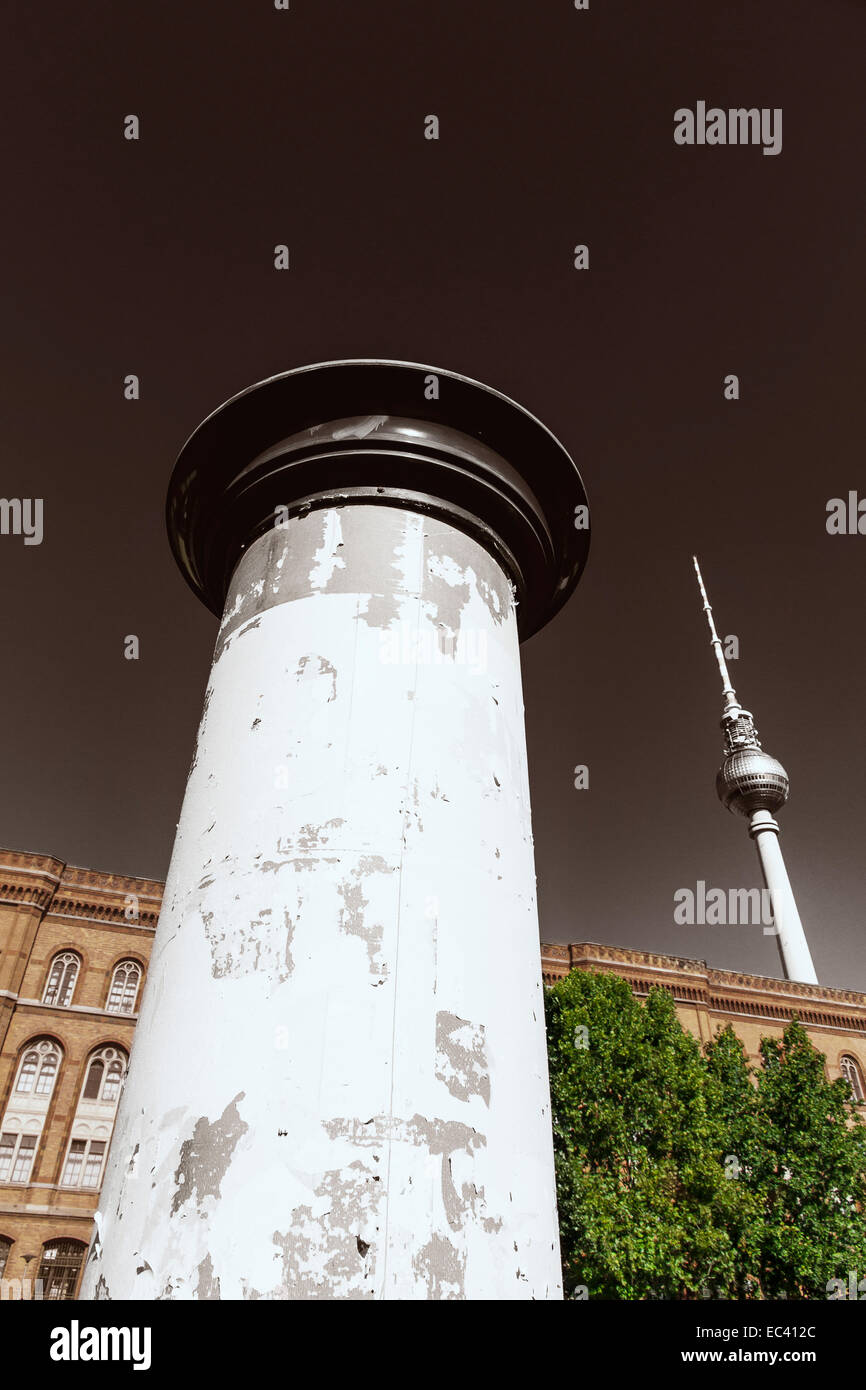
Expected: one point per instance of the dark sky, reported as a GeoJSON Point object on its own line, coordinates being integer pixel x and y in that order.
{"type": "Point", "coordinates": [260, 127]}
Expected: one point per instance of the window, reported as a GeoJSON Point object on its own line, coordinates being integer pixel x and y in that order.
{"type": "Point", "coordinates": [124, 987]}
{"type": "Point", "coordinates": [29, 1068]}
{"type": "Point", "coordinates": [93, 1164]}
{"type": "Point", "coordinates": [47, 1073]}
{"type": "Point", "coordinates": [27, 1108]}
{"type": "Point", "coordinates": [60, 1267]}
{"type": "Point", "coordinates": [5, 1247]}
{"type": "Point", "coordinates": [84, 1163]}
{"type": "Point", "coordinates": [38, 1068]}
{"type": "Point", "coordinates": [61, 980]}
{"type": "Point", "coordinates": [24, 1158]}
{"type": "Point", "coordinates": [17, 1152]}
{"type": "Point", "coordinates": [74, 1161]}
{"type": "Point", "coordinates": [94, 1080]}
{"type": "Point", "coordinates": [7, 1153]}
{"type": "Point", "coordinates": [104, 1075]}
{"type": "Point", "coordinates": [94, 1119]}
{"type": "Point", "coordinates": [111, 1088]}
{"type": "Point", "coordinates": [852, 1074]}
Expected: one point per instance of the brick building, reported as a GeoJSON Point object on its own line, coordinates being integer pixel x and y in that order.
{"type": "Point", "coordinates": [74, 949]}
{"type": "Point", "coordinates": [757, 1006]}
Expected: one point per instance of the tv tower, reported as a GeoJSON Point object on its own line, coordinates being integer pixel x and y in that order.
{"type": "Point", "coordinates": [756, 785]}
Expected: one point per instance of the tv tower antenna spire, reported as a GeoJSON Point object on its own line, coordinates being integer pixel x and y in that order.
{"type": "Point", "coordinates": [756, 785]}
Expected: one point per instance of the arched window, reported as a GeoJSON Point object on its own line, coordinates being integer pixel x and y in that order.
{"type": "Point", "coordinates": [38, 1068]}
{"type": "Point", "coordinates": [94, 1119]}
{"type": "Point", "coordinates": [104, 1075]}
{"type": "Point", "coordinates": [93, 1084]}
{"type": "Point", "coordinates": [27, 1108]}
{"type": "Point", "coordinates": [27, 1074]}
{"type": "Point", "coordinates": [852, 1074]}
{"type": "Point", "coordinates": [60, 985]}
{"type": "Point", "coordinates": [60, 1267]}
{"type": "Point", "coordinates": [124, 987]}
{"type": "Point", "coordinates": [5, 1247]}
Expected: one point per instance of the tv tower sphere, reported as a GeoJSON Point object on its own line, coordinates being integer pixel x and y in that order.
{"type": "Point", "coordinates": [751, 780]}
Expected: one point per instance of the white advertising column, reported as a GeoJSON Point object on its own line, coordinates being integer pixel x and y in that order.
{"type": "Point", "coordinates": [339, 1087]}
{"type": "Point", "coordinates": [794, 951]}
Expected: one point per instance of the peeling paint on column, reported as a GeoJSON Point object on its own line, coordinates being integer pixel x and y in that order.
{"type": "Point", "coordinates": [324, 669]}
{"type": "Point", "coordinates": [326, 558]}
{"type": "Point", "coordinates": [498, 599]}
{"type": "Point", "coordinates": [243, 948]}
{"type": "Point", "coordinates": [205, 1157]}
{"type": "Point", "coordinates": [442, 1267]}
{"type": "Point", "coordinates": [352, 916]}
{"type": "Point", "coordinates": [461, 1061]}
{"type": "Point", "coordinates": [444, 1136]}
{"type": "Point", "coordinates": [449, 589]}
{"type": "Point", "coordinates": [290, 931]}
{"type": "Point", "coordinates": [381, 611]}
{"type": "Point", "coordinates": [437, 1136]}
{"type": "Point", "coordinates": [208, 1287]}
{"type": "Point", "coordinates": [322, 1258]}
{"type": "Point", "coordinates": [244, 630]}
{"type": "Point", "coordinates": [474, 1203]}
{"type": "Point", "coordinates": [201, 728]}
{"type": "Point", "coordinates": [441, 1139]}
{"type": "Point", "coordinates": [312, 836]}
{"type": "Point", "coordinates": [470, 1202]}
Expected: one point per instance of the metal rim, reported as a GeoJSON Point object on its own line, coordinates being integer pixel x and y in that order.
{"type": "Point", "coordinates": [481, 460]}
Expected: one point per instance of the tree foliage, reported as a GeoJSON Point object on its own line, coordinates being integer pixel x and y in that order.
{"type": "Point", "coordinates": [683, 1174]}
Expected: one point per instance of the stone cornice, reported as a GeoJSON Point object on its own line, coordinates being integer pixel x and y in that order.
{"type": "Point", "coordinates": [28, 880]}
{"type": "Point", "coordinates": [63, 890]}
{"type": "Point", "coordinates": [17, 859]}
{"type": "Point", "coordinates": [90, 1010]}
{"type": "Point", "coordinates": [102, 913]}
{"type": "Point", "coordinates": [32, 1209]}
{"type": "Point", "coordinates": [82, 879]}
{"type": "Point", "coordinates": [652, 960]}
{"type": "Point", "coordinates": [727, 991]}
{"type": "Point", "coordinates": [792, 989]}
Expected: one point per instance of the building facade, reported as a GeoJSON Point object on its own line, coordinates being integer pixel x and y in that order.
{"type": "Point", "coordinates": [757, 1006]}
{"type": "Point", "coordinates": [74, 951]}
{"type": "Point", "coordinates": [74, 947]}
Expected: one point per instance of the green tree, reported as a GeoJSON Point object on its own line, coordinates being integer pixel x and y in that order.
{"type": "Point", "coordinates": [809, 1169]}
{"type": "Point", "coordinates": [681, 1174]}
{"type": "Point", "coordinates": [730, 1095]}
{"type": "Point", "coordinates": [646, 1208]}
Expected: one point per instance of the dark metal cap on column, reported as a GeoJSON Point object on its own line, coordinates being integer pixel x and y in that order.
{"type": "Point", "coordinates": [337, 433]}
